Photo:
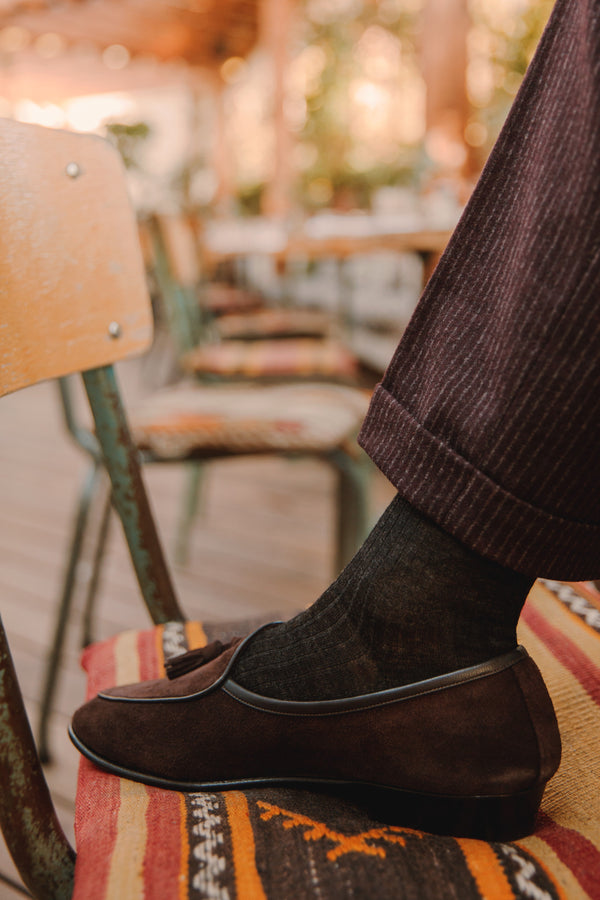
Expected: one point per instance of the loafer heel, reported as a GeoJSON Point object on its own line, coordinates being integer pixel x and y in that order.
{"type": "Point", "coordinates": [482, 818]}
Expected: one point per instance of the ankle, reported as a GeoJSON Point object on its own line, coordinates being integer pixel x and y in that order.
{"type": "Point", "coordinates": [413, 603]}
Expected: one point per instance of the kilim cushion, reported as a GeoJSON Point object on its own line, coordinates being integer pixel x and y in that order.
{"type": "Point", "coordinates": [309, 418]}
{"type": "Point", "coordinates": [221, 299]}
{"type": "Point", "coordinates": [274, 323]}
{"type": "Point", "coordinates": [289, 357]}
{"type": "Point", "coordinates": [139, 842]}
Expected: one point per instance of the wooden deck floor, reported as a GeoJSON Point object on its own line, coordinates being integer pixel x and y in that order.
{"type": "Point", "coordinates": [262, 546]}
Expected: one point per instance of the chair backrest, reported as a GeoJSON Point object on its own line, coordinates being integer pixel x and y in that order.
{"type": "Point", "coordinates": [72, 286]}
{"type": "Point", "coordinates": [73, 298]}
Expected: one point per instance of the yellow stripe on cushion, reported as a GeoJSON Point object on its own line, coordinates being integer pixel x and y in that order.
{"type": "Point", "coordinates": [248, 881]}
{"type": "Point", "coordinates": [127, 664]}
{"type": "Point", "coordinates": [160, 655]}
{"type": "Point", "coordinates": [126, 876]}
{"type": "Point", "coordinates": [486, 869]}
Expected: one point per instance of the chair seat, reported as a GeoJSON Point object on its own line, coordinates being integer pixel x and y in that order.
{"type": "Point", "coordinates": [221, 299]}
{"type": "Point", "coordinates": [178, 421]}
{"type": "Point", "coordinates": [300, 358]}
{"type": "Point", "coordinates": [140, 842]}
{"type": "Point", "coordinates": [274, 323]}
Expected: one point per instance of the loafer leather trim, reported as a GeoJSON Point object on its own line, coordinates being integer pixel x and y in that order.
{"type": "Point", "coordinates": [327, 707]}
{"type": "Point", "coordinates": [376, 699]}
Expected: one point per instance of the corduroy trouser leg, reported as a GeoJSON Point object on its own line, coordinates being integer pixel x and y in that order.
{"type": "Point", "coordinates": [488, 418]}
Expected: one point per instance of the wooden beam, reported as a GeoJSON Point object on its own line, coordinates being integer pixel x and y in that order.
{"type": "Point", "coordinates": [445, 27]}
{"type": "Point", "coordinates": [277, 18]}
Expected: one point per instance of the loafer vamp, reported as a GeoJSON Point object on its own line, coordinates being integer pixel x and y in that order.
{"type": "Point", "coordinates": [187, 685]}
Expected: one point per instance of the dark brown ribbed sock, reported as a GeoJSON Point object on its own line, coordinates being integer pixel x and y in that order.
{"type": "Point", "coordinates": [413, 603]}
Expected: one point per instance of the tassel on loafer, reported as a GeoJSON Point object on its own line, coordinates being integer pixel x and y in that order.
{"type": "Point", "coordinates": [465, 754]}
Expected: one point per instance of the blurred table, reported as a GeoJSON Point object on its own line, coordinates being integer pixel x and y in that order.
{"type": "Point", "coordinates": [428, 244]}
{"type": "Point", "coordinates": [227, 241]}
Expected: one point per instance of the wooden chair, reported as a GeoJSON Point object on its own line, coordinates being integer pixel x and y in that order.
{"type": "Point", "coordinates": [265, 345]}
{"type": "Point", "coordinates": [226, 311]}
{"type": "Point", "coordinates": [268, 346]}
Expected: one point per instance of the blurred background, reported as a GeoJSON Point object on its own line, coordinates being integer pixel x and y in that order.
{"type": "Point", "coordinates": [283, 157]}
{"type": "Point", "coordinates": [278, 107]}
{"type": "Point", "coordinates": [262, 121]}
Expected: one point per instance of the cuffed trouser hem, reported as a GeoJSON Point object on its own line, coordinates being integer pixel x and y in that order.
{"type": "Point", "coordinates": [471, 506]}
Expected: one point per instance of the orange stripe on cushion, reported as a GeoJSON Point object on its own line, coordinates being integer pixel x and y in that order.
{"type": "Point", "coordinates": [248, 881]}
{"type": "Point", "coordinates": [195, 635]}
{"type": "Point", "coordinates": [486, 869]}
{"type": "Point", "coordinates": [160, 656]}
{"type": "Point", "coordinates": [95, 835]}
{"type": "Point", "coordinates": [185, 850]}
{"type": "Point", "coordinates": [569, 612]}
{"type": "Point", "coordinates": [587, 590]}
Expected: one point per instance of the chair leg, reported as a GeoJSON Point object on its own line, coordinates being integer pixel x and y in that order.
{"type": "Point", "coordinates": [64, 610]}
{"type": "Point", "coordinates": [129, 495]}
{"type": "Point", "coordinates": [192, 499]}
{"type": "Point", "coordinates": [352, 522]}
{"type": "Point", "coordinates": [87, 630]}
{"type": "Point", "coordinates": [38, 846]}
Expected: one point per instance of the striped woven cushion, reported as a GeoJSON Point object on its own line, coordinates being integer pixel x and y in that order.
{"type": "Point", "coordinates": [274, 323]}
{"type": "Point", "coordinates": [219, 299]}
{"type": "Point", "coordinates": [311, 418]}
{"type": "Point", "coordinates": [299, 358]}
{"type": "Point", "coordinates": [138, 842]}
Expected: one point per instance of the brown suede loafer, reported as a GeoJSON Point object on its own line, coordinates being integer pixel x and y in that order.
{"type": "Point", "coordinates": [468, 753]}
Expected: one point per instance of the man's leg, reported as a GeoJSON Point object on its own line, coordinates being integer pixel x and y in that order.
{"type": "Point", "coordinates": [488, 419]}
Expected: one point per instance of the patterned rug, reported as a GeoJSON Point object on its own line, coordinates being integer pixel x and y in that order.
{"type": "Point", "coordinates": [142, 843]}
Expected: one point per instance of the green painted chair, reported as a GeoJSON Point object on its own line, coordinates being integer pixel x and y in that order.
{"type": "Point", "coordinates": [269, 344]}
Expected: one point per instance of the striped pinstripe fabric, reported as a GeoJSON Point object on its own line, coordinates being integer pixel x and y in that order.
{"type": "Point", "coordinates": [142, 843]}
{"type": "Point", "coordinates": [488, 417]}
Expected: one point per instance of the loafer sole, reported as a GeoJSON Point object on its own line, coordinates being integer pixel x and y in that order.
{"type": "Point", "coordinates": [489, 818]}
